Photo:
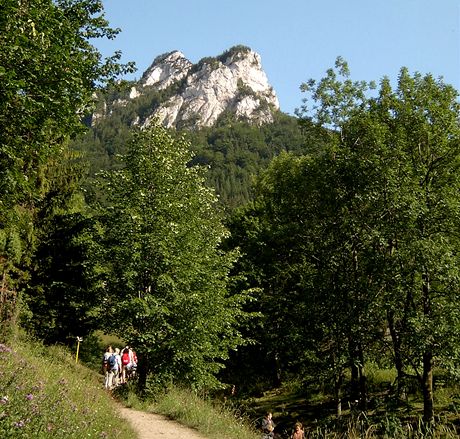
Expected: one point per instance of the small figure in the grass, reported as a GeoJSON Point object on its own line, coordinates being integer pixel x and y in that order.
{"type": "Point", "coordinates": [105, 366]}
{"type": "Point", "coordinates": [268, 426]}
{"type": "Point", "coordinates": [298, 431]}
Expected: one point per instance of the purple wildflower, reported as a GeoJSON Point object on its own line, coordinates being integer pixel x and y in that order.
{"type": "Point", "coordinates": [19, 424]}
{"type": "Point", "coordinates": [4, 348]}
{"type": "Point", "coordinates": [4, 400]}
{"type": "Point", "coordinates": [29, 396]}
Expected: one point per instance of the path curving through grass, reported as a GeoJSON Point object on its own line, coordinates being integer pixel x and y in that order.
{"type": "Point", "coordinates": [151, 426]}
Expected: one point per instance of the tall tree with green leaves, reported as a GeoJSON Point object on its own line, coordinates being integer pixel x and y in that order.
{"type": "Point", "coordinates": [48, 73]}
{"type": "Point", "coordinates": [315, 293]}
{"type": "Point", "coordinates": [167, 287]}
{"type": "Point", "coordinates": [420, 119]}
{"type": "Point", "coordinates": [363, 232]}
{"type": "Point", "coordinates": [398, 154]}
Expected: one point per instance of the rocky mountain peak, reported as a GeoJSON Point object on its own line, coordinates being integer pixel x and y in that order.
{"type": "Point", "coordinates": [165, 70]}
{"type": "Point", "coordinates": [191, 95]}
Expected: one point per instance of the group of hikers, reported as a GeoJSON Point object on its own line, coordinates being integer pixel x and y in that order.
{"type": "Point", "coordinates": [268, 428]}
{"type": "Point", "coordinates": [118, 366]}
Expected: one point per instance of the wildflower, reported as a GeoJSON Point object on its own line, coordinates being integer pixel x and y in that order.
{"type": "Point", "coordinates": [29, 397]}
{"type": "Point", "coordinates": [62, 381]}
{"type": "Point", "coordinates": [104, 434]}
{"type": "Point", "coordinates": [4, 400]}
{"type": "Point", "coordinates": [49, 427]}
{"type": "Point", "coordinates": [19, 424]}
{"type": "Point", "coordinates": [4, 348]}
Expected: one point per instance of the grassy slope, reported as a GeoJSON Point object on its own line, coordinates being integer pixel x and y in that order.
{"type": "Point", "coordinates": [214, 420]}
{"type": "Point", "coordinates": [44, 394]}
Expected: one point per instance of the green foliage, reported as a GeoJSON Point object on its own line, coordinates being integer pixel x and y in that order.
{"type": "Point", "coordinates": [62, 292]}
{"type": "Point", "coordinates": [209, 62]}
{"type": "Point", "coordinates": [44, 394]}
{"type": "Point", "coordinates": [48, 74]}
{"type": "Point", "coordinates": [238, 49]}
{"type": "Point", "coordinates": [49, 71]}
{"type": "Point", "coordinates": [361, 235]}
{"type": "Point", "coordinates": [214, 63]}
{"type": "Point", "coordinates": [236, 152]}
{"type": "Point", "coordinates": [167, 278]}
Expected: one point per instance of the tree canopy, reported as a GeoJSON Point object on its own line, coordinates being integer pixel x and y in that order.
{"type": "Point", "coordinates": [167, 279]}
{"type": "Point", "coordinates": [48, 73]}
{"type": "Point", "coordinates": [360, 236]}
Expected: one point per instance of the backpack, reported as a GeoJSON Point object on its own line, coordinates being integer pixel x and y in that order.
{"type": "Point", "coordinates": [125, 359]}
{"type": "Point", "coordinates": [112, 362]}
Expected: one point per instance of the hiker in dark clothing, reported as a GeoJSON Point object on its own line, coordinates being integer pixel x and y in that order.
{"type": "Point", "coordinates": [268, 426]}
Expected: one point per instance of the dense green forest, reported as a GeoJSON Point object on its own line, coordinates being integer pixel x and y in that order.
{"type": "Point", "coordinates": [233, 151]}
{"type": "Point", "coordinates": [304, 251]}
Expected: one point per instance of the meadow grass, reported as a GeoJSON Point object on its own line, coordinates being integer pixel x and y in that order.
{"type": "Point", "coordinates": [214, 420]}
{"type": "Point", "coordinates": [44, 394]}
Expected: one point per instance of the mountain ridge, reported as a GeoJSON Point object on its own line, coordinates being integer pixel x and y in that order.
{"type": "Point", "coordinates": [193, 96]}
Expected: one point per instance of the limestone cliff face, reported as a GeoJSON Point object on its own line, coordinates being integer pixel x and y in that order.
{"type": "Point", "coordinates": [166, 70]}
{"type": "Point", "coordinates": [199, 93]}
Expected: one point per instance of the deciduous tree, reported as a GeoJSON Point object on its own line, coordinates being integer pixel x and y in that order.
{"type": "Point", "coordinates": [167, 279]}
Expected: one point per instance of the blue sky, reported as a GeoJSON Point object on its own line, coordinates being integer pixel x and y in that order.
{"type": "Point", "coordinates": [296, 39]}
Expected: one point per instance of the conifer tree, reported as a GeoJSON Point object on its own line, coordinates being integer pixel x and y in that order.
{"type": "Point", "coordinates": [48, 71]}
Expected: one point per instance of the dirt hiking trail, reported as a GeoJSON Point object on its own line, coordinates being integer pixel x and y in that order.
{"type": "Point", "coordinates": [153, 426]}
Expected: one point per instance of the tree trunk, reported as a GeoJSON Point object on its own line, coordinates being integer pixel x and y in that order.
{"type": "Point", "coordinates": [428, 409]}
{"type": "Point", "coordinates": [427, 379]}
{"type": "Point", "coordinates": [354, 370]}
{"type": "Point", "coordinates": [398, 363]}
{"type": "Point", "coordinates": [338, 394]}
{"type": "Point", "coordinates": [362, 381]}
{"type": "Point", "coordinates": [277, 370]}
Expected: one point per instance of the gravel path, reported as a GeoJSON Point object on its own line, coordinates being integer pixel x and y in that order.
{"type": "Point", "coordinates": [153, 426]}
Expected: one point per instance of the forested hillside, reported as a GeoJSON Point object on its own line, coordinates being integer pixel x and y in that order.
{"type": "Point", "coordinates": [234, 151]}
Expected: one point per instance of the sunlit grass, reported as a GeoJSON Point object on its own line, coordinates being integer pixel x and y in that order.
{"type": "Point", "coordinates": [44, 394]}
{"type": "Point", "coordinates": [212, 420]}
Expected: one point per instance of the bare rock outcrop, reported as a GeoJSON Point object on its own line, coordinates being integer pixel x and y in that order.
{"type": "Point", "coordinates": [196, 95]}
